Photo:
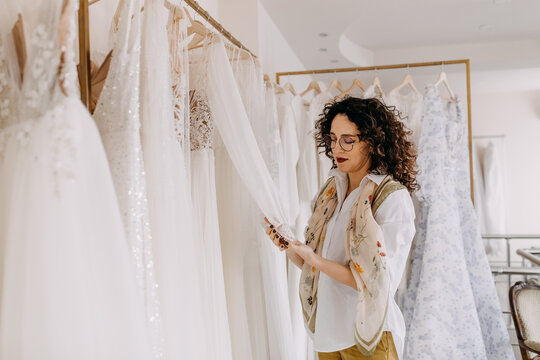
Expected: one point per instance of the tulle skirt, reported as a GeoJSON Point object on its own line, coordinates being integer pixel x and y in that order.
{"type": "Point", "coordinates": [68, 288]}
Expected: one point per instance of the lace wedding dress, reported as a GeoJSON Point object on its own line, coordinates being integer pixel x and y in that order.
{"type": "Point", "coordinates": [68, 288]}
{"type": "Point", "coordinates": [232, 124]}
{"type": "Point", "coordinates": [205, 212]}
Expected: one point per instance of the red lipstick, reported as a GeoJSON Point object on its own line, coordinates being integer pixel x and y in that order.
{"type": "Point", "coordinates": [340, 160]}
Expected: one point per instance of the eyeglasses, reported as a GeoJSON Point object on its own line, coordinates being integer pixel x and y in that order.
{"type": "Point", "coordinates": [346, 142]}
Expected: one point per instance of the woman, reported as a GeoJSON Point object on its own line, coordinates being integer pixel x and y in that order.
{"type": "Point", "coordinates": [359, 235]}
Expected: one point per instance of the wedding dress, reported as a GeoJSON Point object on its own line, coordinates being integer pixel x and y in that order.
{"type": "Point", "coordinates": [291, 154]}
{"type": "Point", "coordinates": [205, 212]}
{"type": "Point", "coordinates": [494, 196]}
{"type": "Point", "coordinates": [118, 120]}
{"type": "Point", "coordinates": [249, 79]}
{"type": "Point", "coordinates": [176, 253]}
{"type": "Point", "coordinates": [451, 307]}
{"type": "Point", "coordinates": [260, 251]}
{"type": "Point", "coordinates": [235, 133]}
{"type": "Point", "coordinates": [324, 164]}
{"type": "Point", "coordinates": [307, 189]}
{"type": "Point", "coordinates": [488, 308]}
{"type": "Point", "coordinates": [179, 58]}
{"type": "Point", "coordinates": [410, 107]}
{"type": "Point", "coordinates": [68, 288]}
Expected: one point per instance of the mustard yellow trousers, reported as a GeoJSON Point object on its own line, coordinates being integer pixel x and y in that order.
{"type": "Point", "coordinates": [386, 350]}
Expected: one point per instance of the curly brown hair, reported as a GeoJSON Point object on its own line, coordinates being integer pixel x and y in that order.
{"type": "Point", "coordinates": [381, 128]}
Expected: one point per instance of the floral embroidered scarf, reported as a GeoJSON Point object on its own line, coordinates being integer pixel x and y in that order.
{"type": "Point", "coordinates": [364, 244]}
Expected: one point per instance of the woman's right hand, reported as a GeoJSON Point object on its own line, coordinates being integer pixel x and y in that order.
{"type": "Point", "coordinates": [276, 238]}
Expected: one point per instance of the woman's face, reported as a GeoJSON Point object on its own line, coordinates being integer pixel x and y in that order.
{"type": "Point", "coordinates": [344, 134]}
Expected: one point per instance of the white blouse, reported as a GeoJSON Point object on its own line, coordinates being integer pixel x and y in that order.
{"type": "Point", "coordinates": [336, 309]}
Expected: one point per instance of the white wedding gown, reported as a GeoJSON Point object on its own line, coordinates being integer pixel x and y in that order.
{"type": "Point", "coordinates": [324, 164]}
{"type": "Point", "coordinates": [266, 316]}
{"type": "Point", "coordinates": [118, 120]}
{"type": "Point", "coordinates": [410, 107]}
{"type": "Point", "coordinates": [68, 288]}
{"type": "Point", "coordinates": [229, 117]}
{"type": "Point", "coordinates": [307, 184]}
{"type": "Point", "coordinates": [176, 253]}
{"type": "Point", "coordinates": [248, 263]}
{"type": "Point", "coordinates": [205, 212]}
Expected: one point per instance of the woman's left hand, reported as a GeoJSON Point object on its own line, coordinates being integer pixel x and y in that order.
{"type": "Point", "coordinates": [305, 252]}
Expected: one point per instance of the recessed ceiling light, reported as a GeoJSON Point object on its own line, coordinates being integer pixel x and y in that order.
{"type": "Point", "coordinates": [485, 27]}
{"type": "Point", "coordinates": [323, 49]}
{"type": "Point", "coordinates": [323, 34]}
{"type": "Point", "coordinates": [498, 2]}
{"type": "Point", "coordinates": [334, 60]}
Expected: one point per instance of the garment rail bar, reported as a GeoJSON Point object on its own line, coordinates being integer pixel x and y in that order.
{"type": "Point", "coordinates": [465, 62]}
{"type": "Point", "coordinates": [84, 42]}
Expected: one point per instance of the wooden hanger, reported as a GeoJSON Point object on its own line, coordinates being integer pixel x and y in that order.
{"type": "Point", "coordinates": [243, 54]}
{"type": "Point", "coordinates": [17, 32]}
{"type": "Point", "coordinates": [116, 17]}
{"type": "Point", "coordinates": [313, 85]}
{"type": "Point", "coordinates": [377, 85]}
{"type": "Point", "coordinates": [198, 29]}
{"type": "Point", "coordinates": [179, 12]}
{"type": "Point", "coordinates": [97, 80]}
{"type": "Point", "coordinates": [356, 83]}
{"type": "Point", "coordinates": [98, 75]}
{"type": "Point", "coordinates": [278, 89]}
{"type": "Point", "coordinates": [335, 84]}
{"type": "Point", "coordinates": [407, 80]}
{"type": "Point", "coordinates": [444, 80]}
{"type": "Point", "coordinates": [289, 87]}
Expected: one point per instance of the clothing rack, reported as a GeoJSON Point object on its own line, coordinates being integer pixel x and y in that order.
{"type": "Point", "coordinates": [465, 62]}
{"type": "Point", "coordinates": [84, 42]}
{"type": "Point", "coordinates": [489, 136]}
{"type": "Point", "coordinates": [84, 53]}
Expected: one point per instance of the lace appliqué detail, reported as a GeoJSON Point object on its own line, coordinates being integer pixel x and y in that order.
{"type": "Point", "coordinates": [178, 41]}
{"type": "Point", "coordinates": [47, 58]}
{"type": "Point", "coordinates": [201, 123]}
{"type": "Point", "coordinates": [179, 94]}
{"type": "Point", "coordinates": [68, 72]}
{"type": "Point", "coordinates": [5, 102]}
{"type": "Point", "coordinates": [64, 151]}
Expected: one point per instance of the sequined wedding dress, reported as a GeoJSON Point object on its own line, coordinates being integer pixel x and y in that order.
{"type": "Point", "coordinates": [118, 120]}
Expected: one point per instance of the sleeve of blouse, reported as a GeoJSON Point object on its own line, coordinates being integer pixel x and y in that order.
{"type": "Point", "coordinates": [396, 216]}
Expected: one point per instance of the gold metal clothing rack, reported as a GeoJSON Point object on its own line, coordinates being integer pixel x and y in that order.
{"type": "Point", "coordinates": [466, 62]}
{"type": "Point", "coordinates": [84, 42]}
{"type": "Point", "coordinates": [195, 6]}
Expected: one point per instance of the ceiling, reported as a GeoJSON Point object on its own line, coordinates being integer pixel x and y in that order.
{"type": "Point", "coordinates": [358, 30]}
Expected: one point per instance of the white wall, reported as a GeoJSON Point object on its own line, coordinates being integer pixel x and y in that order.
{"type": "Point", "coordinates": [274, 51]}
{"type": "Point", "coordinates": [240, 17]}
{"type": "Point", "coordinates": [516, 115]}
{"type": "Point", "coordinates": [250, 23]}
